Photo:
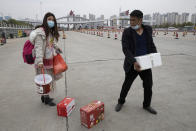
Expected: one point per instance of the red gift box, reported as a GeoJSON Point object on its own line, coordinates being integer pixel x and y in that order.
{"type": "Point", "coordinates": [65, 107]}
{"type": "Point", "coordinates": [92, 113]}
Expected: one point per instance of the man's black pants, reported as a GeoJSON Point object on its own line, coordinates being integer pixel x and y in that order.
{"type": "Point", "coordinates": [146, 77]}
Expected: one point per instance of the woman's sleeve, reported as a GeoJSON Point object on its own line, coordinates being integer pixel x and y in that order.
{"type": "Point", "coordinates": [39, 43]}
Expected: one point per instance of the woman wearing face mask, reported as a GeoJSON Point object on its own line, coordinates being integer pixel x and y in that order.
{"type": "Point", "coordinates": [45, 38]}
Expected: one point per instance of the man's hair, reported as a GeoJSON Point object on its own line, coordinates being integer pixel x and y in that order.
{"type": "Point", "coordinates": [136, 13]}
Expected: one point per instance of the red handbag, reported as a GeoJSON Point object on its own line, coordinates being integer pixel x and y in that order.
{"type": "Point", "coordinates": [59, 64]}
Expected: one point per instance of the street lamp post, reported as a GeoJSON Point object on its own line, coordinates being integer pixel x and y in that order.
{"type": "Point", "coordinates": [2, 18]}
{"type": "Point", "coordinates": [194, 20]}
{"type": "Point", "coordinates": [41, 9]}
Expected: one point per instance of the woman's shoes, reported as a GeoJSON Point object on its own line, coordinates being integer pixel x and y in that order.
{"type": "Point", "coordinates": [47, 100]}
{"type": "Point", "coordinates": [42, 99]}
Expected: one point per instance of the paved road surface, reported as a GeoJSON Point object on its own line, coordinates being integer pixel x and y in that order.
{"type": "Point", "coordinates": [96, 73]}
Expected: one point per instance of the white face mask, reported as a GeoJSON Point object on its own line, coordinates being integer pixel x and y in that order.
{"type": "Point", "coordinates": [135, 27]}
{"type": "Point", "coordinates": [50, 23]}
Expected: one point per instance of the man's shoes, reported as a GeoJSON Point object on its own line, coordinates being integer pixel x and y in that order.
{"type": "Point", "coordinates": [118, 107]}
{"type": "Point", "coordinates": [150, 109]}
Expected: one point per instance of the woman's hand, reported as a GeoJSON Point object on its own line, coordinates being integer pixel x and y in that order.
{"type": "Point", "coordinates": [40, 65]}
{"type": "Point", "coordinates": [58, 51]}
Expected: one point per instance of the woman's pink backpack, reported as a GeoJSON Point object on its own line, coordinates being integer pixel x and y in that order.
{"type": "Point", "coordinates": [27, 53]}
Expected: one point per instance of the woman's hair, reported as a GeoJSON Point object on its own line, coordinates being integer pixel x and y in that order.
{"type": "Point", "coordinates": [54, 30]}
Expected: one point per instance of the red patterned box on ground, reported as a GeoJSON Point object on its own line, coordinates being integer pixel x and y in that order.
{"type": "Point", "coordinates": [92, 113]}
{"type": "Point", "coordinates": [65, 107]}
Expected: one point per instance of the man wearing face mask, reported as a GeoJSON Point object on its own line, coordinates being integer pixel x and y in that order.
{"type": "Point", "coordinates": [137, 41]}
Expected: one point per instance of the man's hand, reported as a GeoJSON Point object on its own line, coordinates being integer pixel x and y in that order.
{"type": "Point", "coordinates": [137, 66]}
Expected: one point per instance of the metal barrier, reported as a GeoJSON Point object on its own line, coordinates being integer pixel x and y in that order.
{"type": "Point", "coordinates": [13, 32]}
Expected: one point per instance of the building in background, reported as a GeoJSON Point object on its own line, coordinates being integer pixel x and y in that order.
{"type": "Point", "coordinates": [157, 18]}
{"type": "Point", "coordinates": [84, 16]}
{"type": "Point", "coordinates": [77, 18]}
{"type": "Point", "coordinates": [170, 18]}
{"type": "Point", "coordinates": [178, 19]}
{"type": "Point", "coordinates": [147, 17]}
{"type": "Point", "coordinates": [101, 17]}
{"type": "Point", "coordinates": [124, 19]}
{"type": "Point", "coordinates": [193, 18]}
{"type": "Point", "coordinates": [113, 21]}
{"type": "Point", "coordinates": [91, 17]}
{"type": "Point", "coordinates": [1, 18]}
{"type": "Point", "coordinates": [7, 17]}
{"type": "Point", "coordinates": [185, 17]}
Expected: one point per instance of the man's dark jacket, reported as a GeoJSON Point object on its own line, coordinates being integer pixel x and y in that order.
{"type": "Point", "coordinates": [129, 45]}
